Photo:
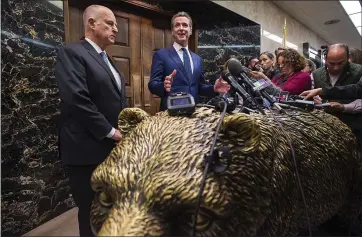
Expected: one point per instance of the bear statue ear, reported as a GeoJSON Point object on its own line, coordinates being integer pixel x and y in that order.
{"type": "Point", "coordinates": [129, 119]}
{"type": "Point", "coordinates": [243, 130]}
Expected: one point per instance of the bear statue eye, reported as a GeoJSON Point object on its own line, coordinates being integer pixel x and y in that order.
{"type": "Point", "coordinates": [104, 199]}
{"type": "Point", "coordinates": [204, 220]}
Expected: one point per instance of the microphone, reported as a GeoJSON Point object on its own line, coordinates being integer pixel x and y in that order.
{"type": "Point", "coordinates": [235, 68]}
{"type": "Point", "coordinates": [226, 75]}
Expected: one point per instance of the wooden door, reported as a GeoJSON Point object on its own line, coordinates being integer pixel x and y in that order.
{"type": "Point", "coordinates": [136, 41]}
{"type": "Point", "coordinates": [153, 38]}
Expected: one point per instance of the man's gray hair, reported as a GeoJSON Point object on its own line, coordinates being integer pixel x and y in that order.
{"type": "Point", "coordinates": [92, 11]}
{"type": "Point", "coordinates": [181, 14]}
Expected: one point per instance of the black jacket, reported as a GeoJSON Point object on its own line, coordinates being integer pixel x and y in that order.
{"type": "Point", "coordinates": [351, 91]}
{"type": "Point", "coordinates": [350, 75]}
{"type": "Point", "coordinates": [90, 104]}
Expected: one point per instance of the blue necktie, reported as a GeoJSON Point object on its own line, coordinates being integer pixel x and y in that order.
{"type": "Point", "coordinates": [187, 63]}
{"type": "Point", "coordinates": [104, 57]}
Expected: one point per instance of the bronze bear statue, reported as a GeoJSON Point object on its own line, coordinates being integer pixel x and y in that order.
{"type": "Point", "coordinates": [149, 183]}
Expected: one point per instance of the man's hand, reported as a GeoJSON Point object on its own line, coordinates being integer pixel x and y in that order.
{"type": "Point", "coordinates": [311, 93]}
{"type": "Point", "coordinates": [117, 136]}
{"type": "Point", "coordinates": [168, 81]}
{"type": "Point", "coordinates": [259, 75]}
{"type": "Point", "coordinates": [335, 107]}
{"type": "Point", "coordinates": [221, 86]}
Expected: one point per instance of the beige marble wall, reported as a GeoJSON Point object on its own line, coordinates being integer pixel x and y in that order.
{"type": "Point", "coordinates": [271, 18]}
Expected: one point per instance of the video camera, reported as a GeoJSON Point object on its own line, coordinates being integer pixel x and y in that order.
{"type": "Point", "coordinates": [180, 104]}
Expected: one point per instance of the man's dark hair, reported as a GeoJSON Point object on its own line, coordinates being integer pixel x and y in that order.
{"type": "Point", "coordinates": [181, 14]}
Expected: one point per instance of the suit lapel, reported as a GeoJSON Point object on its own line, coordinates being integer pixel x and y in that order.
{"type": "Point", "coordinates": [176, 58]}
{"type": "Point", "coordinates": [99, 59]}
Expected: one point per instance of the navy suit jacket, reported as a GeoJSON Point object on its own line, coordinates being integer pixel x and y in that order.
{"type": "Point", "coordinates": [164, 61]}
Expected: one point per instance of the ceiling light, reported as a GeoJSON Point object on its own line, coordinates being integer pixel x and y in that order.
{"type": "Point", "coordinates": [351, 6]}
{"type": "Point", "coordinates": [332, 22]}
{"type": "Point", "coordinates": [356, 19]}
{"type": "Point", "coordinates": [353, 10]}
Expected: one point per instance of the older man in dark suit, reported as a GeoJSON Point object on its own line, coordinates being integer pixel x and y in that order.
{"type": "Point", "coordinates": [92, 93]}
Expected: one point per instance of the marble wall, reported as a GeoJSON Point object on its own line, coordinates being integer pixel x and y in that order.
{"type": "Point", "coordinates": [223, 34]}
{"type": "Point", "coordinates": [271, 18]}
{"type": "Point", "coordinates": [34, 187]}
{"type": "Point", "coordinates": [226, 40]}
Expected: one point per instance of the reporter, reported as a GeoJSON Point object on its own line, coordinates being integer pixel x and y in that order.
{"type": "Point", "coordinates": [290, 79]}
{"type": "Point", "coordinates": [351, 91]}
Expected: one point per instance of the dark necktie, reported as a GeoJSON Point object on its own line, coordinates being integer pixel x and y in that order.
{"type": "Point", "coordinates": [187, 63]}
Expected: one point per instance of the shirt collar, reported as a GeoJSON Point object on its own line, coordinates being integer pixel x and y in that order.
{"type": "Point", "coordinates": [95, 46]}
{"type": "Point", "coordinates": [178, 47]}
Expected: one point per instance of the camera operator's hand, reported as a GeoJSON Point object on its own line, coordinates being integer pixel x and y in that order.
{"type": "Point", "coordinates": [317, 100]}
{"type": "Point", "coordinates": [168, 81]}
{"type": "Point", "coordinates": [311, 93]}
{"type": "Point", "coordinates": [259, 75]}
{"type": "Point", "coordinates": [335, 107]}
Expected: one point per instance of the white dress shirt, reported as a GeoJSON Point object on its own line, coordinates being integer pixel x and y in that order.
{"type": "Point", "coordinates": [114, 72]}
{"type": "Point", "coordinates": [180, 53]}
{"type": "Point", "coordinates": [333, 79]}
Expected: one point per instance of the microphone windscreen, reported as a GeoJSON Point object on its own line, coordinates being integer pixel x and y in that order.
{"type": "Point", "coordinates": [234, 66]}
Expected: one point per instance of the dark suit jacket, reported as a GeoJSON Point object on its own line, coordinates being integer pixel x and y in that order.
{"type": "Point", "coordinates": [350, 91]}
{"type": "Point", "coordinates": [164, 61]}
{"type": "Point", "coordinates": [351, 74]}
{"type": "Point", "coordinates": [90, 104]}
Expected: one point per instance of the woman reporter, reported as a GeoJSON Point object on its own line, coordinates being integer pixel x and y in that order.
{"type": "Point", "coordinates": [267, 61]}
{"type": "Point", "coordinates": [290, 79]}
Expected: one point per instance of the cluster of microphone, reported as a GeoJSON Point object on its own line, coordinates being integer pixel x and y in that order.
{"type": "Point", "coordinates": [236, 76]}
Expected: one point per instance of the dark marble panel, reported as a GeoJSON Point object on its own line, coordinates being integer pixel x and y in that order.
{"type": "Point", "coordinates": [34, 186]}
{"type": "Point", "coordinates": [225, 40]}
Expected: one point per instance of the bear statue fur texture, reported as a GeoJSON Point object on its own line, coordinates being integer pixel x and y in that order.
{"type": "Point", "coordinates": [149, 184]}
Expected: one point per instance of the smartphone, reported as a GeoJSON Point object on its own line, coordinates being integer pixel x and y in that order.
{"type": "Point", "coordinates": [260, 84]}
{"type": "Point", "coordinates": [283, 96]}
{"type": "Point", "coordinates": [246, 69]}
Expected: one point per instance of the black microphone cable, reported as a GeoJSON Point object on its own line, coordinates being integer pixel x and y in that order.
{"type": "Point", "coordinates": [296, 168]}
{"type": "Point", "coordinates": [208, 162]}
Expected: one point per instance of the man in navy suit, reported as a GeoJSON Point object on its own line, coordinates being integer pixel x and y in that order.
{"type": "Point", "coordinates": [177, 69]}
{"type": "Point", "coordinates": [92, 93]}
